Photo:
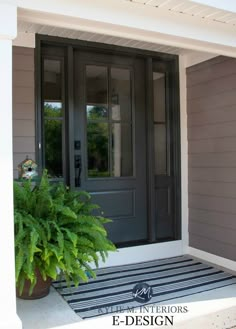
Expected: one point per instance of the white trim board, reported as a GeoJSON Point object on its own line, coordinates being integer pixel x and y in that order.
{"type": "Point", "coordinates": [144, 253]}
{"type": "Point", "coordinates": [184, 152]}
{"type": "Point", "coordinates": [214, 259]}
{"type": "Point", "coordinates": [196, 57]}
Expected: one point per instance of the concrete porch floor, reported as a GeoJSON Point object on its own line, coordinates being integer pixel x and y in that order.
{"type": "Point", "coordinates": [210, 309]}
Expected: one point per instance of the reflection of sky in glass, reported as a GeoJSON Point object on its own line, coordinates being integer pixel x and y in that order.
{"type": "Point", "coordinates": [55, 105]}
{"type": "Point", "coordinates": [89, 108]}
{"type": "Point", "coordinates": [96, 111]}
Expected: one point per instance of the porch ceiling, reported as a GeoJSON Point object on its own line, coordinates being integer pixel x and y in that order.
{"type": "Point", "coordinates": [192, 8]}
{"type": "Point", "coordinates": [32, 28]}
{"type": "Point", "coordinates": [160, 25]}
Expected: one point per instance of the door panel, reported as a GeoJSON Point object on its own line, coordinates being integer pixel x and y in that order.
{"type": "Point", "coordinates": [109, 127]}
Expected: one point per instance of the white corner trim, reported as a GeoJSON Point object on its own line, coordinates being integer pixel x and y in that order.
{"type": "Point", "coordinates": [144, 253]}
{"type": "Point", "coordinates": [24, 39]}
{"type": "Point", "coordinates": [197, 57]}
{"type": "Point", "coordinates": [184, 152]}
{"type": "Point", "coordinates": [214, 259]}
{"type": "Point", "coordinates": [8, 318]}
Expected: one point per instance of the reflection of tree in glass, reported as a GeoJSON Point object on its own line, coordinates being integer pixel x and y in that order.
{"type": "Point", "coordinates": [96, 112]}
{"type": "Point", "coordinates": [97, 136]}
{"type": "Point", "coordinates": [53, 141]}
{"type": "Point", "coordinates": [52, 109]}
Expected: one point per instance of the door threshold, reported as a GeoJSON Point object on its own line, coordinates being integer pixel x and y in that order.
{"type": "Point", "coordinates": [143, 253]}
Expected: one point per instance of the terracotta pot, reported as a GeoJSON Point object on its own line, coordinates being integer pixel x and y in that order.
{"type": "Point", "coordinates": [40, 290]}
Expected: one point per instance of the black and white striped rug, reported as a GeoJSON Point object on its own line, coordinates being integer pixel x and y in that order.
{"type": "Point", "coordinates": [169, 278]}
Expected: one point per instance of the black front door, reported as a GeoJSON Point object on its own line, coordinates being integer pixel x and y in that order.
{"type": "Point", "coordinates": [109, 139]}
{"type": "Point", "coordinates": [108, 123]}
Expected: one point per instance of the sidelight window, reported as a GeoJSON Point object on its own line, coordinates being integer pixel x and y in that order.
{"type": "Point", "coordinates": [53, 117]}
{"type": "Point", "coordinates": [160, 123]}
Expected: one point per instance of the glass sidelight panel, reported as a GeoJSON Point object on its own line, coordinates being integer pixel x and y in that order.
{"type": "Point", "coordinates": [159, 97]}
{"type": "Point", "coordinates": [160, 126]}
{"type": "Point", "coordinates": [53, 117]}
{"type": "Point", "coordinates": [160, 149]}
{"type": "Point", "coordinates": [109, 122]}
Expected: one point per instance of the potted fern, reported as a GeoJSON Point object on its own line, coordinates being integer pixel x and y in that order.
{"type": "Point", "coordinates": [56, 231]}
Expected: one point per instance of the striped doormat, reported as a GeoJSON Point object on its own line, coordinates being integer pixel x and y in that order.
{"type": "Point", "coordinates": [169, 278]}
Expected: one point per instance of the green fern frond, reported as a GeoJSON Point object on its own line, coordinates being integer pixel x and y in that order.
{"type": "Point", "coordinates": [57, 229]}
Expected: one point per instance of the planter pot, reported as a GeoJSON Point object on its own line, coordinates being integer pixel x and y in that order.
{"type": "Point", "coordinates": [40, 290]}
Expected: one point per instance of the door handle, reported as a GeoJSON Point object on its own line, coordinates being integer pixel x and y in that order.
{"type": "Point", "coordinates": [78, 169]}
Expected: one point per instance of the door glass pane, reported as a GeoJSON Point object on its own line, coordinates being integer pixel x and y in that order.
{"type": "Point", "coordinates": [160, 149]}
{"type": "Point", "coordinates": [109, 142]}
{"type": "Point", "coordinates": [53, 147]}
{"type": "Point", "coordinates": [53, 117]}
{"type": "Point", "coordinates": [159, 109]}
{"type": "Point", "coordinates": [97, 149]}
{"type": "Point", "coordinates": [52, 84]}
{"type": "Point", "coordinates": [96, 112]}
{"type": "Point", "coordinates": [122, 155]}
{"type": "Point", "coordinates": [121, 94]}
{"type": "Point", "coordinates": [96, 92]}
{"type": "Point", "coordinates": [53, 109]}
{"type": "Point", "coordinates": [159, 97]}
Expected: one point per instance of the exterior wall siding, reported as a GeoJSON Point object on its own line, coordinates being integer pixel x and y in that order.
{"type": "Point", "coordinates": [211, 107]}
{"type": "Point", "coordinates": [23, 105]}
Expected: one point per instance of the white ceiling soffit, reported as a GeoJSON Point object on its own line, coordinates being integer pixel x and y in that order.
{"type": "Point", "coordinates": [229, 5]}
{"type": "Point", "coordinates": [32, 28]}
{"type": "Point", "coordinates": [133, 21]}
{"type": "Point", "coordinates": [202, 9]}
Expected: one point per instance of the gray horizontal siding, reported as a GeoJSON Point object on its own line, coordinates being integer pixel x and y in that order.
{"type": "Point", "coordinates": [213, 218]}
{"type": "Point", "coordinates": [224, 129]}
{"type": "Point", "coordinates": [222, 160]}
{"type": "Point", "coordinates": [23, 105]}
{"type": "Point", "coordinates": [225, 250]}
{"type": "Point", "coordinates": [214, 145]}
{"type": "Point", "coordinates": [213, 232]}
{"type": "Point", "coordinates": [204, 72]}
{"type": "Point", "coordinates": [217, 189]}
{"type": "Point", "coordinates": [211, 106]}
{"type": "Point", "coordinates": [226, 114]}
{"type": "Point", "coordinates": [213, 101]}
{"type": "Point", "coordinates": [206, 202]}
{"type": "Point", "coordinates": [212, 174]}
{"type": "Point", "coordinates": [212, 87]}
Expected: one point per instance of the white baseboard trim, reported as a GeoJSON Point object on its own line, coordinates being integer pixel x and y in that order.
{"type": "Point", "coordinates": [144, 253]}
{"type": "Point", "coordinates": [214, 259]}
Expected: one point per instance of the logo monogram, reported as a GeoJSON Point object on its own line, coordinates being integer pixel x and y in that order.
{"type": "Point", "coordinates": [142, 292]}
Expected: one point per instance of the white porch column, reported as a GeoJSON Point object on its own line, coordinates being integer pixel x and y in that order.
{"type": "Point", "coordinates": [8, 31]}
